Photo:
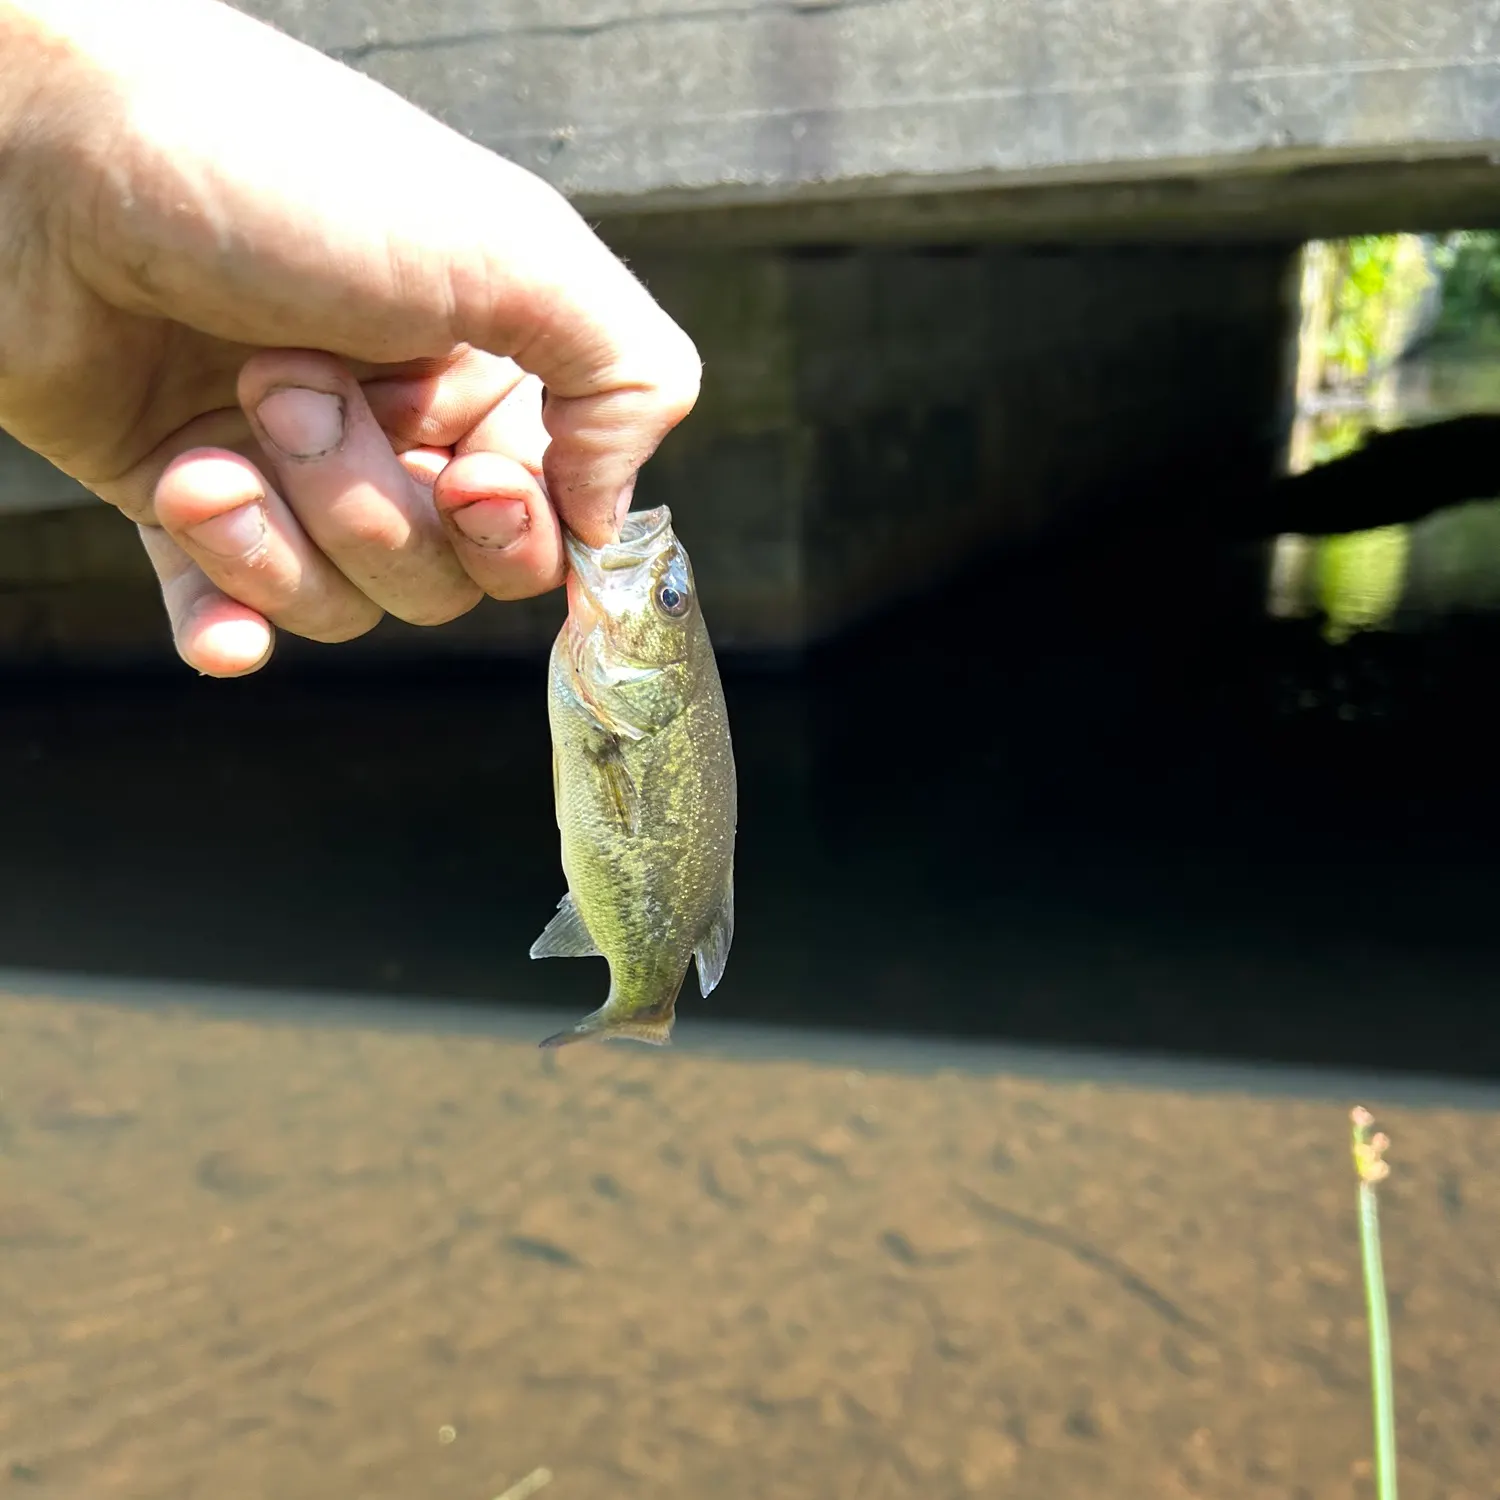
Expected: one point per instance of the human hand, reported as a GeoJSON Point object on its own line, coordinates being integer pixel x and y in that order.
{"type": "Point", "coordinates": [299, 331]}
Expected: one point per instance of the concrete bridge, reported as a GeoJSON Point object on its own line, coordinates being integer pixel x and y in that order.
{"type": "Point", "coordinates": [961, 271]}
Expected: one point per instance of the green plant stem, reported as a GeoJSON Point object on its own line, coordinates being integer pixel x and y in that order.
{"type": "Point", "coordinates": [1381, 1384]}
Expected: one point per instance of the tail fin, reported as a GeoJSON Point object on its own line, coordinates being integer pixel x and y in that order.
{"type": "Point", "coordinates": [602, 1026]}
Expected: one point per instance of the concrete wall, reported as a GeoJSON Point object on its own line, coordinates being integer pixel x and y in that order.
{"type": "Point", "coordinates": [1206, 111]}
{"type": "Point", "coordinates": [868, 418]}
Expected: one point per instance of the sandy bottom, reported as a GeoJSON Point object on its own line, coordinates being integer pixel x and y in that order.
{"type": "Point", "coordinates": [246, 1257]}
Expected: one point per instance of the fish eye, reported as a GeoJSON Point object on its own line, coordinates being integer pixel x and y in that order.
{"type": "Point", "coordinates": [672, 601]}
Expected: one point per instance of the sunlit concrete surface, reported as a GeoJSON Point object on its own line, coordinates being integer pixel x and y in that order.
{"type": "Point", "coordinates": [1172, 111]}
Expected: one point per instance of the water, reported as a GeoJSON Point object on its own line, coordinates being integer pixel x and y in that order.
{"type": "Point", "coordinates": [1006, 1160]}
{"type": "Point", "coordinates": [1104, 804]}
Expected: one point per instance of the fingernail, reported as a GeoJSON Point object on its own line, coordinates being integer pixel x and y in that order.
{"type": "Point", "coordinates": [237, 533]}
{"type": "Point", "coordinates": [234, 646]}
{"type": "Point", "coordinates": [302, 423]}
{"type": "Point", "coordinates": [492, 523]}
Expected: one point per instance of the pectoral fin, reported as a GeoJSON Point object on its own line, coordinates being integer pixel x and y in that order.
{"type": "Point", "coordinates": [713, 952]}
{"type": "Point", "coordinates": [620, 786]}
{"type": "Point", "coordinates": [565, 936]}
{"type": "Point", "coordinates": [606, 720]}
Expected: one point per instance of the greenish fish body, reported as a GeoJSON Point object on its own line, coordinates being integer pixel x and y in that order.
{"type": "Point", "coordinates": [643, 777]}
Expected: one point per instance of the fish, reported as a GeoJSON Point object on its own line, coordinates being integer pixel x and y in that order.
{"type": "Point", "coordinates": [643, 781]}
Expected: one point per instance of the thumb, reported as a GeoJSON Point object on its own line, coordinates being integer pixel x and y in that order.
{"type": "Point", "coordinates": [619, 373]}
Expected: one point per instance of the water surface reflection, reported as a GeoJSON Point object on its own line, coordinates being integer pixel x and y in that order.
{"type": "Point", "coordinates": [1108, 805]}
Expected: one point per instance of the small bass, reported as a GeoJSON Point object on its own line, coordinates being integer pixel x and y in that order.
{"type": "Point", "coordinates": [643, 778]}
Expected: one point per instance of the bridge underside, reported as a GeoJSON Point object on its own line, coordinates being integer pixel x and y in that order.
{"type": "Point", "coordinates": [1282, 196]}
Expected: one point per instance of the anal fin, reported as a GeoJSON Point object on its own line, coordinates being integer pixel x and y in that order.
{"type": "Point", "coordinates": [565, 936]}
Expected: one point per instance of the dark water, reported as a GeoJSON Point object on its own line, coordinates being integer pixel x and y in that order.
{"type": "Point", "coordinates": [347, 1233]}
{"type": "Point", "coordinates": [1100, 801]}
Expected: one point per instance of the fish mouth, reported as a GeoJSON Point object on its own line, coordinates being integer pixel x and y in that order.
{"type": "Point", "coordinates": [641, 535]}
{"type": "Point", "coordinates": [602, 579]}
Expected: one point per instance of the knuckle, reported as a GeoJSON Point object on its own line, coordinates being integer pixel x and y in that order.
{"type": "Point", "coordinates": [335, 632]}
{"type": "Point", "coordinates": [680, 380]}
{"type": "Point", "coordinates": [439, 610]}
{"type": "Point", "coordinates": [134, 507]}
{"type": "Point", "coordinates": [360, 531]}
{"type": "Point", "coordinates": [517, 584]}
{"type": "Point", "coordinates": [336, 619]}
{"type": "Point", "coordinates": [271, 367]}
